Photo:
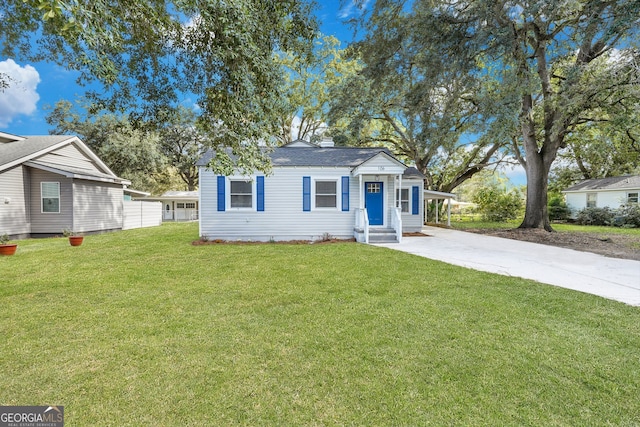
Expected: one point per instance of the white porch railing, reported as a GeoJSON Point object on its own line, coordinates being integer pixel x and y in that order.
{"type": "Point", "coordinates": [396, 223]}
{"type": "Point", "coordinates": [180, 215]}
{"type": "Point", "coordinates": [362, 223]}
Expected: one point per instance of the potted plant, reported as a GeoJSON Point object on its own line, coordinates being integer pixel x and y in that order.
{"type": "Point", "coordinates": [7, 248]}
{"type": "Point", "coordinates": [74, 238]}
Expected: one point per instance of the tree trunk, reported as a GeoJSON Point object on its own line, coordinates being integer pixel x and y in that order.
{"type": "Point", "coordinates": [536, 214]}
{"type": "Point", "coordinates": [537, 164]}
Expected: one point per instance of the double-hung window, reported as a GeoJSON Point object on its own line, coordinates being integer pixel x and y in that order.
{"type": "Point", "coordinates": [50, 192]}
{"type": "Point", "coordinates": [326, 194]}
{"type": "Point", "coordinates": [591, 200]}
{"type": "Point", "coordinates": [241, 194]}
{"type": "Point", "coordinates": [632, 198]}
{"type": "Point", "coordinates": [403, 196]}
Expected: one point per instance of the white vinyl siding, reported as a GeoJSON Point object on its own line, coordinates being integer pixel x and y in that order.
{"type": "Point", "coordinates": [15, 218]}
{"type": "Point", "coordinates": [70, 155]}
{"type": "Point", "coordinates": [612, 199]}
{"type": "Point", "coordinates": [97, 206]}
{"type": "Point", "coordinates": [50, 197]}
{"type": "Point", "coordinates": [283, 217]}
{"type": "Point", "coordinates": [413, 223]}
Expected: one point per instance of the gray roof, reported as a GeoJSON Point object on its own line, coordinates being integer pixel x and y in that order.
{"type": "Point", "coordinates": [627, 182]}
{"type": "Point", "coordinates": [413, 172]}
{"type": "Point", "coordinates": [315, 156]}
{"type": "Point", "coordinates": [31, 145]}
{"type": "Point", "coordinates": [75, 172]}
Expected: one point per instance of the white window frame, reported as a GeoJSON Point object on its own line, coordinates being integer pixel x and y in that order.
{"type": "Point", "coordinates": [408, 199]}
{"type": "Point", "coordinates": [633, 195]}
{"type": "Point", "coordinates": [253, 193]}
{"type": "Point", "coordinates": [189, 205]}
{"type": "Point", "coordinates": [42, 184]}
{"type": "Point", "coordinates": [338, 194]}
{"type": "Point", "coordinates": [595, 200]}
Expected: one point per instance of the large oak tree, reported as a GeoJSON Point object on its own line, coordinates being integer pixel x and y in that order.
{"type": "Point", "coordinates": [549, 61]}
{"type": "Point", "coordinates": [152, 55]}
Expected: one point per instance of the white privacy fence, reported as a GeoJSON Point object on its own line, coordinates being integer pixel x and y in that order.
{"type": "Point", "coordinates": [138, 214]}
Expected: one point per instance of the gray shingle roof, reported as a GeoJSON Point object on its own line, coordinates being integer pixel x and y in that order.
{"type": "Point", "coordinates": [613, 183]}
{"type": "Point", "coordinates": [310, 156]}
{"type": "Point", "coordinates": [12, 151]}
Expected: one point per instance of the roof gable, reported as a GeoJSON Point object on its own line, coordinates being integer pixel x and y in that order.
{"type": "Point", "coordinates": [32, 148]}
{"type": "Point", "coordinates": [381, 163]}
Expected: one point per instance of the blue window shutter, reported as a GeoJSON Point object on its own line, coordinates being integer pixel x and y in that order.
{"type": "Point", "coordinates": [345, 194]}
{"type": "Point", "coordinates": [415, 200]}
{"type": "Point", "coordinates": [306, 193]}
{"type": "Point", "coordinates": [260, 193]}
{"type": "Point", "coordinates": [221, 195]}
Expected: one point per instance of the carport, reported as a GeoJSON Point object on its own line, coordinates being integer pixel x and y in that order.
{"type": "Point", "coordinates": [437, 196]}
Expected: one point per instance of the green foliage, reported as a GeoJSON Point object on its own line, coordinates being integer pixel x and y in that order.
{"type": "Point", "coordinates": [557, 208]}
{"type": "Point", "coordinates": [131, 153]}
{"type": "Point", "coordinates": [498, 205]}
{"type": "Point", "coordinates": [426, 106]}
{"type": "Point", "coordinates": [183, 143]}
{"type": "Point", "coordinates": [595, 216]}
{"type": "Point", "coordinates": [150, 55]}
{"type": "Point", "coordinates": [307, 83]}
{"type": "Point", "coordinates": [628, 216]}
{"type": "Point", "coordinates": [550, 67]}
{"type": "Point", "coordinates": [4, 239]}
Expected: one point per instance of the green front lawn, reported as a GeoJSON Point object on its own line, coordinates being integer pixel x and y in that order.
{"type": "Point", "coordinates": [141, 328]}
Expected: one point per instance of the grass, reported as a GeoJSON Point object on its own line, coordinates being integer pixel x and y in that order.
{"type": "Point", "coordinates": [141, 328]}
{"type": "Point", "coordinates": [467, 223]}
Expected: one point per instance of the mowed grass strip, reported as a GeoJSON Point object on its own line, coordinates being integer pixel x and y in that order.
{"type": "Point", "coordinates": [142, 328]}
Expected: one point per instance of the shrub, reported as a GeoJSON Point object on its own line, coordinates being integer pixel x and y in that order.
{"type": "Point", "coordinates": [558, 209]}
{"type": "Point", "coordinates": [628, 216]}
{"type": "Point", "coordinates": [497, 205]}
{"type": "Point", "coordinates": [596, 216]}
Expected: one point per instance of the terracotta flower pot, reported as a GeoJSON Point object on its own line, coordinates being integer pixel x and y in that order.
{"type": "Point", "coordinates": [8, 249]}
{"type": "Point", "coordinates": [76, 240]}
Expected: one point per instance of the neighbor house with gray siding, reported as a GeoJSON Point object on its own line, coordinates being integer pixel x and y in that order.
{"type": "Point", "coordinates": [314, 191]}
{"type": "Point", "coordinates": [55, 182]}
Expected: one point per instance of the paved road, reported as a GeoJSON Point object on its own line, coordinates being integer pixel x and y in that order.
{"type": "Point", "coordinates": [612, 278]}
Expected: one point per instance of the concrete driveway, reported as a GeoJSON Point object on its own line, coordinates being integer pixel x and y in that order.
{"type": "Point", "coordinates": [612, 278]}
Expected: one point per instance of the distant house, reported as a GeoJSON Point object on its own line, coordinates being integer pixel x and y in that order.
{"type": "Point", "coordinates": [314, 191]}
{"type": "Point", "coordinates": [178, 205]}
{"type": "Point", "coordinates": [55, 182]}
{"type": "Point", "coordinates": [606, 192]}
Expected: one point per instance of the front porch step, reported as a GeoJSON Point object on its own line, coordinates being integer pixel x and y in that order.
{"type": "Point", "coordinates": [382, 235]}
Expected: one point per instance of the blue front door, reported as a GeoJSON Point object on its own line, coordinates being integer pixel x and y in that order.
{"type": "Point", "coordinates": [373, 202]}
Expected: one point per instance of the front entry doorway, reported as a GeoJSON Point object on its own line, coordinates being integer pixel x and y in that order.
{"type": "Point", "coordinates": [373, 201]}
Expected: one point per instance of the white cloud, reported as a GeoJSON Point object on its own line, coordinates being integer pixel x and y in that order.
{"type": "Point", "coordinates": [21, 96]}
{"type": "Point", "coordinates": [352, 9]}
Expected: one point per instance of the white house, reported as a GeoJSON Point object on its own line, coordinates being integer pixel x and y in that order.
{"type": "Point", "coordinates": [606, 192]}
{"type": "Point", "coordinates": [53, 182]}
{"type": "Point", "coordinates": [178, 205]}
{"type": "Point", "coordinates": [314, 191]}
